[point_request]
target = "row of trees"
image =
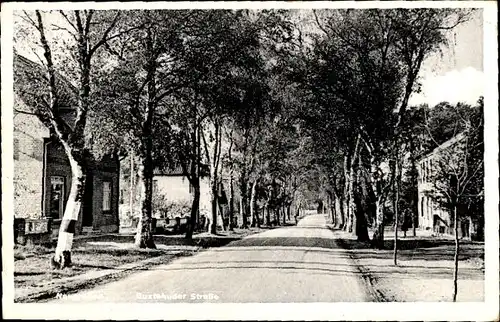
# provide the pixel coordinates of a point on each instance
(165, 85)
(281, 103)
(357, 76)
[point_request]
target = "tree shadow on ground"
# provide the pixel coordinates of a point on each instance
(287, 242)
(416, 249)
(28, 273)
(204, 242)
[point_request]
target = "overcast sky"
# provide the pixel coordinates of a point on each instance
(457, 74)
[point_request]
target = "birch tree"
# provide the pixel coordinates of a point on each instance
(135, 96)
(69, 42)
(458, 176)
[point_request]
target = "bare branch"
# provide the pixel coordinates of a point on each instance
(59, 28)
(105, 37)
(319, 24)
(66, 17)
(29, 20)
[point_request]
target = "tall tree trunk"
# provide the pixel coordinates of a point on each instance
(62, 257)
(268, 216)
(214, 171)
(231, 202)
(396, 213)
(352, 173)
(253, 203)
(360, 195)
(414, 190)
(361, 222)
(333, 212)
(340, 205)
(414, 221)
(144, 234)
(213, 201)
(194, 207)
(221, 214)
(351, 203)
(457, 246)
(347, 194)
(132, 194)
(243, 202)
(378, 235)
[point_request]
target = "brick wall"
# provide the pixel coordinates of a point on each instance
(28, 163)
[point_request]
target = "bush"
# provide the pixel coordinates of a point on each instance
(164, 208)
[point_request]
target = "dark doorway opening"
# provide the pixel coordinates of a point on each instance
(87, 216)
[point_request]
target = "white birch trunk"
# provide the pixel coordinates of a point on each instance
(62, 257)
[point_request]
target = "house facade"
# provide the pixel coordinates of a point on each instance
(42, 174)
(172, 197)
(175, 187)
(431, 215)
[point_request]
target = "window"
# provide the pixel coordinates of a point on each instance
(122, 198)
(57, 190)
(155, 187)
(106, 196)
(16, 148)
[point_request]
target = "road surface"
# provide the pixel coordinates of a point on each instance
(291, 264)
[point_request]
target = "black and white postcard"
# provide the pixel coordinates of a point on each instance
(250, 160)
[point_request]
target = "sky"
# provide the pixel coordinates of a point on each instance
(455, 75)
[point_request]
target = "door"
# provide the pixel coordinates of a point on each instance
(87, 215)
(57, 196)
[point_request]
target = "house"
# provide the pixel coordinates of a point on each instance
(42, 174)
(432, 216)
(172, 197)
(175, 188)
(172, 194)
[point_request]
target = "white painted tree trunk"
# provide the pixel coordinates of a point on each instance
(62, 257)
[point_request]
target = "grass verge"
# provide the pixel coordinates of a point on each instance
(425, 268)
(101, 259)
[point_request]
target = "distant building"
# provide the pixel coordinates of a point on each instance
(174, 186)
(432, 216)
(172, 196)
(42, 174)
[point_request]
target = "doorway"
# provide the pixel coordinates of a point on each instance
(87, 215)
(57, 196)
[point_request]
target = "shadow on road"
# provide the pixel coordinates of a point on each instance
(415, 249)
(204, 242)
(287, 242)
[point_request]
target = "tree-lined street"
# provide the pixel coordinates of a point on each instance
(298, 124)
(300, 263)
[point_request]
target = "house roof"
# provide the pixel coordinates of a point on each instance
(445, 145)
(177, 171)
(31, 84)
(169, 172)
